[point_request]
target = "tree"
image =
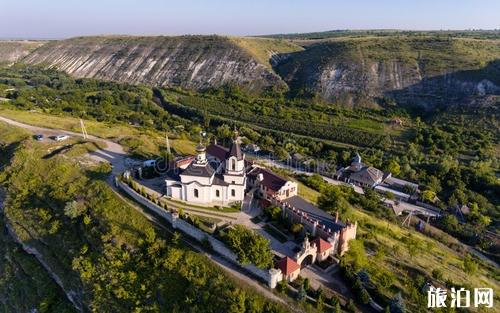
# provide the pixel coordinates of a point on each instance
(281, 153)
(450, 223)
(301, 294)
(315, 181)
(429, 196)
(351, 307)
(434, 184)
(74, 209)
(409, 189)
(296, 228)
(267, 142)
(364, 296)
(437, 274)
(224, 132)
(249, 246)
(274, 212)
(307, 284)
(282, 286)
(479, 220)
(333, 199)
(389, 195)
(320, 302)
(470, 265)
(337, 308)
(345, 156)
(176, 238)
(394, 167)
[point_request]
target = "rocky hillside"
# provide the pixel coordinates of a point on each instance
(194, 62)
(424, 70)
(11, 51)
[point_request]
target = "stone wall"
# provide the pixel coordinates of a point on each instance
(268, 276)
(338, 239)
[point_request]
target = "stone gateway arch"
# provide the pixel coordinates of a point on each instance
(307, 250)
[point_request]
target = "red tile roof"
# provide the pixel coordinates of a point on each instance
(321, 244)
(184, 161)
(271, 180)
(218, 151)
(287, 265)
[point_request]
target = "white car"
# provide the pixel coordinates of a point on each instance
(61, 137)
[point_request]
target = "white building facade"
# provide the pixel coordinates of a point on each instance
(211, 181)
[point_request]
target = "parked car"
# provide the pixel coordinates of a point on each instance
(38, 137)
(149, 163)
(61, 137)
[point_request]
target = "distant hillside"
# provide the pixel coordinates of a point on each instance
(193, 62)
(425, 71)
(478, 34)
(351, 68)
(11, 50)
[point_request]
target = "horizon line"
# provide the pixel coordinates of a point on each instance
(260, 35)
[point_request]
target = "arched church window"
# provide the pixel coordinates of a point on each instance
(196, 194)
(217, 193)
(233, 164)
(233, 193)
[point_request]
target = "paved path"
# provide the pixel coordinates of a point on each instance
(116, 156)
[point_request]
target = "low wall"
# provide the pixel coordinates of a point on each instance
(428, 206)
(375, 305)
(194, 232)
(150, 205)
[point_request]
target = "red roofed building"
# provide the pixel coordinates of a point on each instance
(324, 249)
(270, 184)
(289, 268)
(183, 163)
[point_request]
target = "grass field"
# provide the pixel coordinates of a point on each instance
(262, 48)
(139, 142)
(396, 256)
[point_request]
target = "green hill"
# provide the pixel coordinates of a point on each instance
(351, 68)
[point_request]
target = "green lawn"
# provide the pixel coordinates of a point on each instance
(139, 142)
(276, 234)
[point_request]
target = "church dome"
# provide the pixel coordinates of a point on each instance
(200, 148)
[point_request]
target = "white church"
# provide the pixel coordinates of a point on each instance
(218, 178)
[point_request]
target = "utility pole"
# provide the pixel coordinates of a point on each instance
(84, 130)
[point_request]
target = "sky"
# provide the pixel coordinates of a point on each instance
(68, 18)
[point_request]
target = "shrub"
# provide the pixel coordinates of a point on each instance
(437, 274)
(273, 212)
(249, 246)
(206, 244)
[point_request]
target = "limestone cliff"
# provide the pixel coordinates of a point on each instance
(193, 62)
(418, 70)
(424, 71)
(11, 50)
